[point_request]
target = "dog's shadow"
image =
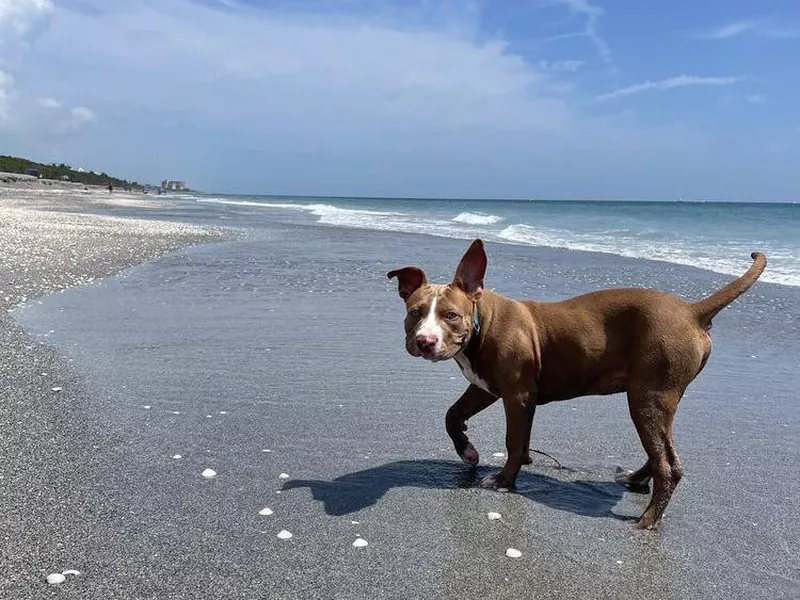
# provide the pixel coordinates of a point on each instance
(355, 491)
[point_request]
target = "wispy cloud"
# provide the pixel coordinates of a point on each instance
(48, 103)
(591, 28)
(81, 114)
(756, 98)
(560, 66)
(732, 29)
(666, 84)
(763, 27)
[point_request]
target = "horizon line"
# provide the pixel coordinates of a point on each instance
(496, 199)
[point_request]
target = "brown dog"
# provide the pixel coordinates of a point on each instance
(646, 343)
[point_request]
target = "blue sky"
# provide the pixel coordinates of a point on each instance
(546, 98)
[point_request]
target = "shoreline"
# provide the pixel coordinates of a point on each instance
(53, 240)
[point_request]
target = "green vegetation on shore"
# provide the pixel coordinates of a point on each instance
(13, 164)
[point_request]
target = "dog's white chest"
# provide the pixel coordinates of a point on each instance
(472, 377)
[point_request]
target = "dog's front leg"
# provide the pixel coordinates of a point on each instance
(471, 402)
(519, 407)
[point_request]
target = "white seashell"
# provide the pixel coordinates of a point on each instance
(209, 473)
(223, 412)
(494, 516)
(265, 512)
(513, 553)
(57, 389)
(498, 455)
(283, 476)
(284, 535)
(502, 489)
(71, 572)
(177, 456)
(266, 450)
(55, 578)
(360, 543)
(147, 407)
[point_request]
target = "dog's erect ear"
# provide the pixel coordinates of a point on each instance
(409, 280)
(471, 270)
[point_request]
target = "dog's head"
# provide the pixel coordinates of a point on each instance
(439, 318)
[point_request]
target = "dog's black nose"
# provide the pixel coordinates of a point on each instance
(426, 343)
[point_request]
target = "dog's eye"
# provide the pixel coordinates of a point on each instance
(451, 315)
(414, 312)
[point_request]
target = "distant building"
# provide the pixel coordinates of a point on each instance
(174, 186)
(65, 178)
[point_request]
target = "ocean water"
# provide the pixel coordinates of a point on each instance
(714, 236)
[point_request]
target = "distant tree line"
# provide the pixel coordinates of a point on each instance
(13, 164)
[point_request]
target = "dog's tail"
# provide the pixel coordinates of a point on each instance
(707, 308)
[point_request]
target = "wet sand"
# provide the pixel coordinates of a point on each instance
(291, 341)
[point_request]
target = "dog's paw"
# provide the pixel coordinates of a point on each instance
(637, 486)
(470, 455)
(495, 481)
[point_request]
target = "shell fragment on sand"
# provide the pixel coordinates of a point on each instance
(283, 476)
(284, 535)
(360, 543)
(55, 578)
(494, 516)
(56, 389)
(176, 456)
(209, 473)
(265, 512)
(498, 455)
(513, 553)
(71, 572)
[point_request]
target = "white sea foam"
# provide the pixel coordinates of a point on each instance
(729, 260)
(477, 218)
(648, 242)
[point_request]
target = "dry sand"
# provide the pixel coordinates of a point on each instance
(49, 241)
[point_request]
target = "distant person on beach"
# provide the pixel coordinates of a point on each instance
(110, 188)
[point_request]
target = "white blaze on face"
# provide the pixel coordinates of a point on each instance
(431, 327)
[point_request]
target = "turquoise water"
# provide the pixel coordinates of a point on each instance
(713, 236)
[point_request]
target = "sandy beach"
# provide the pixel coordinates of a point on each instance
(280, 352)
(51, 242)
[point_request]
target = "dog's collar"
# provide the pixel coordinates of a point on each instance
(476, 323)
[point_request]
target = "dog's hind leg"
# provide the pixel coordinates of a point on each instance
(471, 402)
(653, 413)
(526, 456)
